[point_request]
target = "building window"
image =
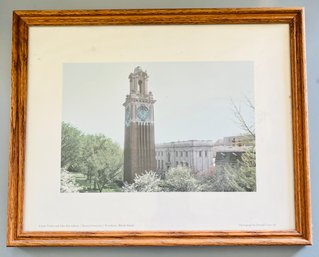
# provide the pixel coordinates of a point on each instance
(234, 141)
(176, 164)
(176, 153)
(158, 164)
(200, 153)
(186, 164)
(181, 154)
(186, 153)
(162, 164)
(205, 153)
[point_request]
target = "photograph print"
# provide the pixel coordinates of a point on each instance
(158, 127)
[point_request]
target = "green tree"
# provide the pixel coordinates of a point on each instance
(224, 179)
(102, 160)
(180, 179)
(96, 156)
(147, 182)
(70, 145)
(240, 178)
(246, 178)
(246, 175)
(243, 177)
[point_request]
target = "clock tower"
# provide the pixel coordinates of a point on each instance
(139, 143)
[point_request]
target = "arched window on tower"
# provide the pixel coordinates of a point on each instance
(140, 83)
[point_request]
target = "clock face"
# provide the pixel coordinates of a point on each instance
(143, 113)
(127, 114)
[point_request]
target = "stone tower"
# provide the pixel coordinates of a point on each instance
(139, 143)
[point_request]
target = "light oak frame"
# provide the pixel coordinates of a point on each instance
(22, 20)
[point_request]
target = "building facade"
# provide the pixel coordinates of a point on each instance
(196, 154)
(139, 141)
(201, 155)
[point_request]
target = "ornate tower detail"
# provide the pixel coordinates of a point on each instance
(139, 144)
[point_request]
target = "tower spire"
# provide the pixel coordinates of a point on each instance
(138, 81)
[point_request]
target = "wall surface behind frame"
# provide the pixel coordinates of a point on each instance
(312, 39)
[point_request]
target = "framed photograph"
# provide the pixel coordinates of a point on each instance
(159, 128)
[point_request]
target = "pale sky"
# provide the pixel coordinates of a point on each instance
(193, 99)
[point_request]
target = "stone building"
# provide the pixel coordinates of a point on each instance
(231, 158)
(196, 154)
(201, 155)
(235, 141)
(229, 150)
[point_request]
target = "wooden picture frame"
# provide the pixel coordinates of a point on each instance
(24, 20)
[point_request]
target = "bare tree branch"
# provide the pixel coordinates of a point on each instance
(240, 119)
(249, 103)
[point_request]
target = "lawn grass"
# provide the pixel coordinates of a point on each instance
(82, 181)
